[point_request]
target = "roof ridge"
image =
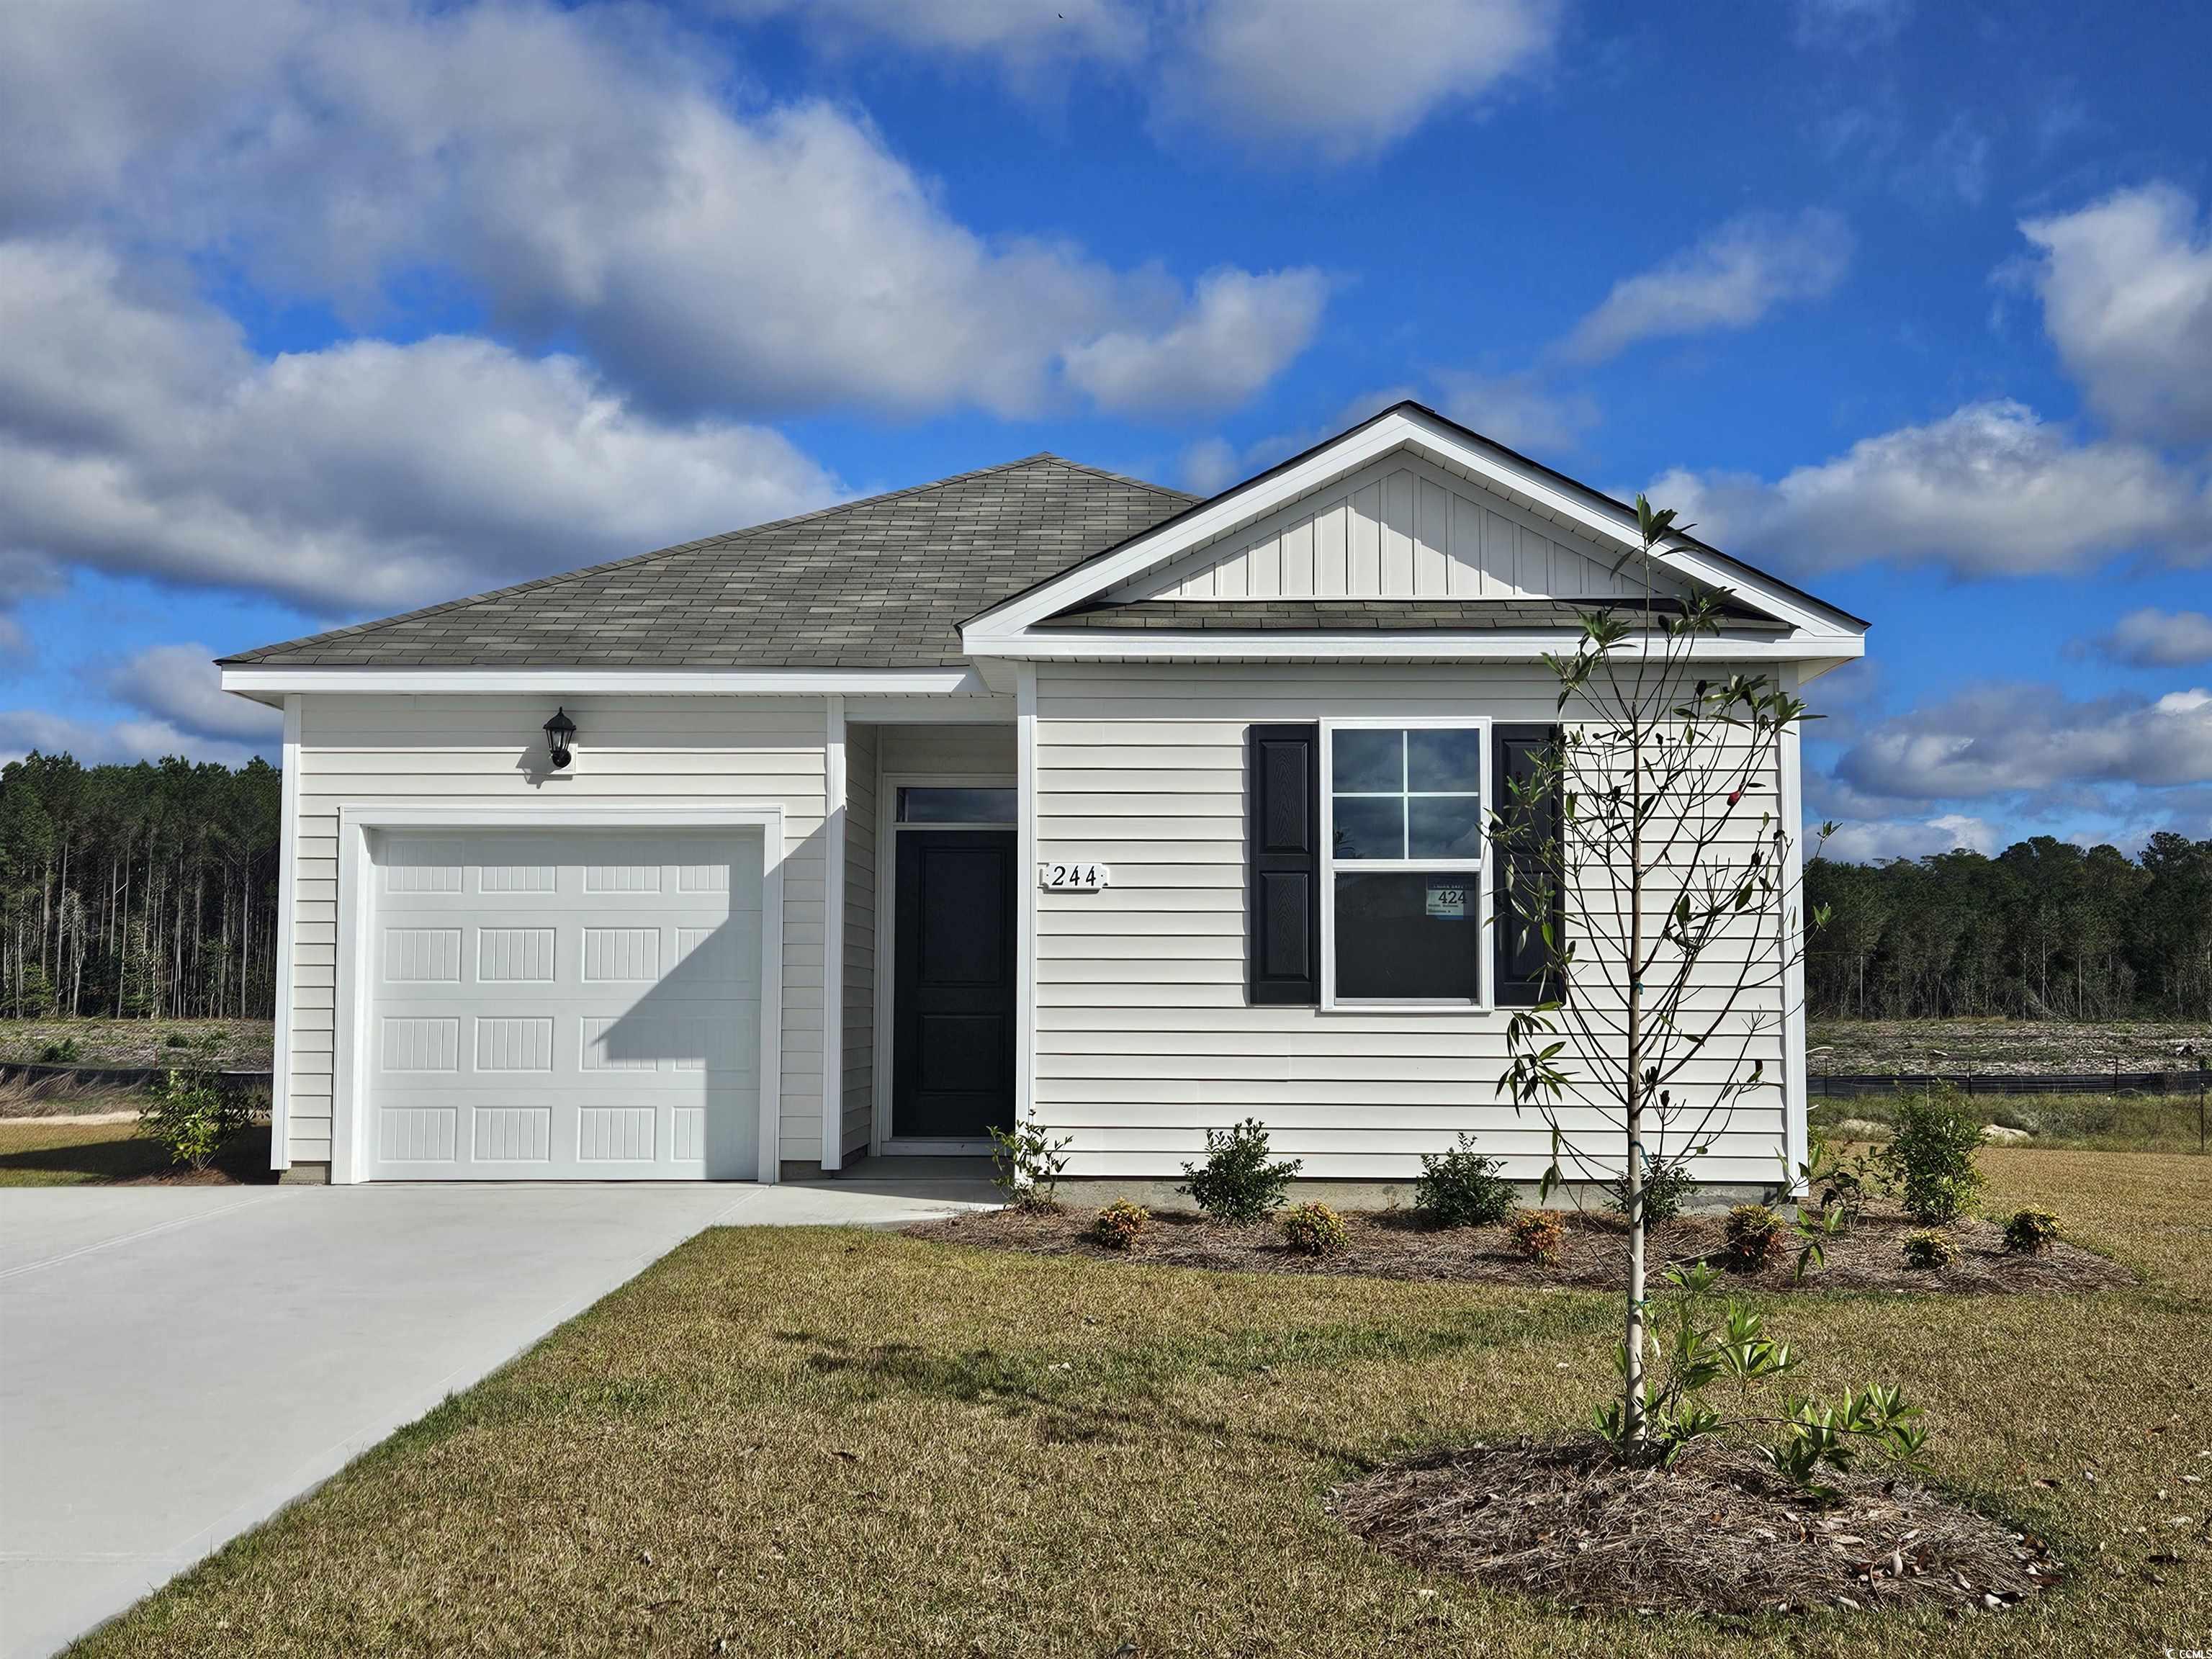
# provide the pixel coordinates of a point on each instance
(1116, 478)
(554, 579)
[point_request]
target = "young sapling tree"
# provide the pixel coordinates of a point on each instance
(1645, 849)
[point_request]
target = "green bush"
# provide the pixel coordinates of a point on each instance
(64, 1053)
(1928, 1250)
(2032, 1232)
(1315, 1229)
(1120, 1224)
(1463, 1188)
(176, 1040)
(1667, 1185)
(1755, 1235)
(1537, 1235)
(192, 1115)
(1930, 1161)
(1236, 1183)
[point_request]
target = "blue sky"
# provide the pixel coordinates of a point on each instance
(322, 311)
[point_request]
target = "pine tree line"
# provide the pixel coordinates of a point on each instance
(2044, 930)
(145, 891)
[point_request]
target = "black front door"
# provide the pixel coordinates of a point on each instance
(952, 993)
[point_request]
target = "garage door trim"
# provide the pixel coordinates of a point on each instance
(350, 1151)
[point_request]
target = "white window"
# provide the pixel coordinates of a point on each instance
(1405, 882)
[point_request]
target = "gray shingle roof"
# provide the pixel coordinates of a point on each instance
(881, 583)
(1346, 615)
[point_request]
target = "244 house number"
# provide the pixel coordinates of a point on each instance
(1074, 878)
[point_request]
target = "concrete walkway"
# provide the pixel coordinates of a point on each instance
(177, 1364)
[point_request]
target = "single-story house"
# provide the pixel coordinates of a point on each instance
(1001, 800)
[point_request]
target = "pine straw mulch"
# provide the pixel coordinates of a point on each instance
(1719, 1532)
(1395, 1244)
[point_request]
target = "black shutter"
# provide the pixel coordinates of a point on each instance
(1521, 974)
(1282, 864)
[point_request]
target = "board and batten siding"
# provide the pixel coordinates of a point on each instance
(856, 1113)
(455, 750)
(1399, 529)
(1143, 1039)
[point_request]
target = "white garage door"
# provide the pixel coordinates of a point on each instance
(577, 1004)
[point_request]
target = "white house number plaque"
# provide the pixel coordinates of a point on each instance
(1075, 876)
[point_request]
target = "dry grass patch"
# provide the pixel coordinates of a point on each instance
(1396, 1245)
(2013, 1046)
(244, 1045)
(816, 1442)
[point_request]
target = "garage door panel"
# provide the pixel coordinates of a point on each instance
(566, 1003)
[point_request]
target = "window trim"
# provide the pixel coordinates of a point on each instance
(1483, 1000)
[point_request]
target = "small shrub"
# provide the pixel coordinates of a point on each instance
(1930, 1159)
(1755, 1235)
(1235, 1183)
(2032, 1232)
(64, 1053)
(1120, 1224)
(1702, 1352)
(191, 1114)
(1029, 1165)
(1928, 1250)
(1666, 1188)
(1537, 1235)
(1315, 1229)
(1463, 1188)
(176, 1040)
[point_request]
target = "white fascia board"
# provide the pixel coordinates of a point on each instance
(1211, 645)
(1402, 429)
(248, 680)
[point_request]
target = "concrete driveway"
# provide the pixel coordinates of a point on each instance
(178, 1364)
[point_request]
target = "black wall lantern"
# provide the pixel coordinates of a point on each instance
(560, 732)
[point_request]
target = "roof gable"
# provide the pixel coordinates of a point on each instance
(1572, 529)
(879, 583)
(1399, 528)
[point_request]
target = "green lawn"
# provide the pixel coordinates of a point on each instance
(38, 1153)
(2102, 1123)
(827, 1443)
(35, 1154)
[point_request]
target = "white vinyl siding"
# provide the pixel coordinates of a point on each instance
(983, 748)
(453, 751)
(1397, 529)
(1144, 1036)
(857, 1109)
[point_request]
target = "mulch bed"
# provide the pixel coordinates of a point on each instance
(1718, 1533)
(1395, 1244)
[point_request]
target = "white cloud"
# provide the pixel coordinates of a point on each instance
(177, 685)
(1955, 168)
(1873, 841)
(1518, 410)
(1209, 466)
(2024, 740)
(2161, 639)
(138, 434)
(586, 171)
(1729, 279)
(1850, 24)
(2126, 284)
(1339, 75)
(1022, 35)
(1989, 489)
(97, 743)
(1239, 333)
